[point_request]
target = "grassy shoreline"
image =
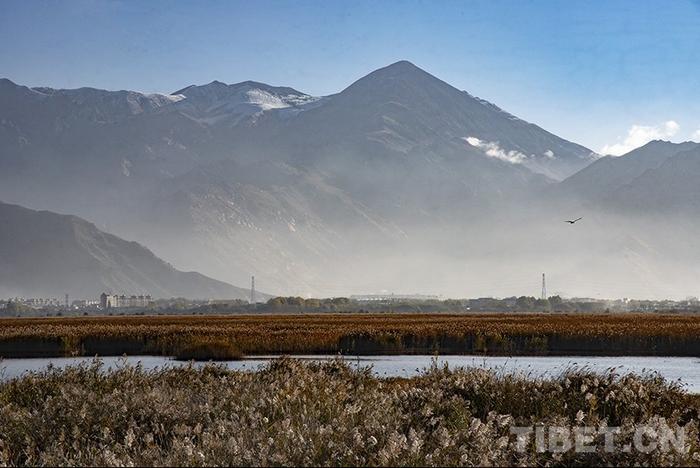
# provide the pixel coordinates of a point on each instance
(292, 413)
(230, 337)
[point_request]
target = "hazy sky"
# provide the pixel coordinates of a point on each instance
(606, 74)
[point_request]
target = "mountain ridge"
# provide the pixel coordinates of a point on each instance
(611, 172)
(45, 253)
(270, 181)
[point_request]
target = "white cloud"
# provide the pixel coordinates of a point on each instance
(696, 135)
(549, 154)
(491, 148)
(640, 135)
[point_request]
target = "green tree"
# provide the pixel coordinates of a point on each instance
(277, 301)
(557, 303)
(312, 304)
(14, 307)
(525, 303)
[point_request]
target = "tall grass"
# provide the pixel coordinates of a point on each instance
(358, 334)
(206, 349)
(328, 414)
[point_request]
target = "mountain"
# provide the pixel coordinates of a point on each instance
(640, 221)
(670, 189)
(312, 195)
(102, 106)
(80, 151)
(609, 174)
(401, 109)
(398, 182)
(405, 109)
(48, 254)
(350, 176)
(217, 102)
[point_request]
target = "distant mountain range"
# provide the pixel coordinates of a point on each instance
(659, 179)
(47, 254)
(607, 176)
(377, 186)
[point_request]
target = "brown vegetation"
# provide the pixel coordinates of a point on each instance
(631, 334)
(208, 348)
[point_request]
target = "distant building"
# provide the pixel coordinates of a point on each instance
(113, 301)
(37, 302)
(82, 304)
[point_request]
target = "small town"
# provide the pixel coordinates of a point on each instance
(122, 304)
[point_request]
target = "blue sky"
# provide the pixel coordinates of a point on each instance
(606, 74)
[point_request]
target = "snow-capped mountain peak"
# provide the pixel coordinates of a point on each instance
(105, 105)
(217, 101)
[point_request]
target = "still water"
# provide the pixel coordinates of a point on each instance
(684, 369)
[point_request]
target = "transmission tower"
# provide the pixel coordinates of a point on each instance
(252, 289)
(544, 288)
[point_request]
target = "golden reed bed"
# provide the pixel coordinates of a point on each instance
(615, 334)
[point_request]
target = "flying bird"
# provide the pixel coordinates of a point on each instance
(572, 222)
